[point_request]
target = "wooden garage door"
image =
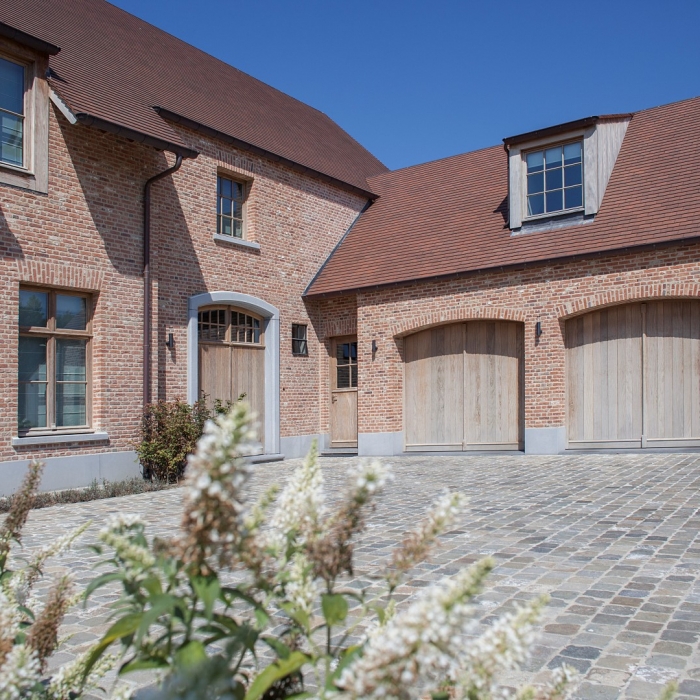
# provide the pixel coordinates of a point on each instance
(633, 376)
(463, 386)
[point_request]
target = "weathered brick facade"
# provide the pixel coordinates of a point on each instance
(86, 234)
(548, 293)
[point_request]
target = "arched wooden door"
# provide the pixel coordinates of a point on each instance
(232, 358)
(633, 376)
(463, 387)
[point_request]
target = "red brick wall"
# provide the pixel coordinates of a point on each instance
(545, 293)
(87, 234)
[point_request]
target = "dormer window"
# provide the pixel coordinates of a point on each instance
(560, 173)
(555, 179)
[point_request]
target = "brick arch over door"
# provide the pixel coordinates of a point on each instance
(457, 315)
(271, 329)
(622, 295)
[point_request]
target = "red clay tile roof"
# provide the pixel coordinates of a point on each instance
(117, 68)
(450, 216)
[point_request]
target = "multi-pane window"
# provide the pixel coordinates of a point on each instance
(11, 113)
(346, 365)
(230, 196)
(555, 179)
(299, 344)
(228, 325)
(54, 354)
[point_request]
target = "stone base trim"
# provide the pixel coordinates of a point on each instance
(545, 441)
(299, 445)
(71, 472)
(380, 444)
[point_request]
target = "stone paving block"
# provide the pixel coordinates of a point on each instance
(610, 537)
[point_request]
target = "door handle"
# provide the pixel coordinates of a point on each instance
(334, 399)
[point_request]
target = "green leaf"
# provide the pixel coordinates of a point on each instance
(280, 648)
(299, 616)
(160, 605)
(190, 655)
(262, 618)
(103, 580)
(142, 665)
(153, 585)
(335, 607)
(123, 627)
(208, 591)
(274, 672)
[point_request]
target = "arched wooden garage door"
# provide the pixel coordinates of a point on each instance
(232, 358)
(633, 376)
(463, 387)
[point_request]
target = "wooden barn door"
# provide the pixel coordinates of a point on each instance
(633, 376)
(463, 387)
(232, 359)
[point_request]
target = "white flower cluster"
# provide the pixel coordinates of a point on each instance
(216, 471)
(20, 670)
(300, 589)
(504, 646)
(9, 614)
(367, 479)
(420, 647)
(124, 521)
(299, 506)
(136, 557)
(444, 512)
(70, 679)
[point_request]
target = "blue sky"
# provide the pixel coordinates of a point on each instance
(416, 81)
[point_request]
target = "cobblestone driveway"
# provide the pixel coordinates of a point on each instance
(612, 538)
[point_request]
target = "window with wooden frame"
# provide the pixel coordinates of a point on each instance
(230, 207)
(554, 179)
(12, 112)
(54, 361)
(299, 343)
(346, 365)
(227, 324)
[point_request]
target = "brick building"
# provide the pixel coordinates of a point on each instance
(170, 226)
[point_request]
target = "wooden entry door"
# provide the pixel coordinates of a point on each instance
(343, 376)
(232, 359)
(633, 376)
(463, 387)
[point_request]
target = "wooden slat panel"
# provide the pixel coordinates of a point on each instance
(433, 387)
(672, 372)
(493, 356)
(344, 419)
(248, 377)
(215, 372)
(604, 357)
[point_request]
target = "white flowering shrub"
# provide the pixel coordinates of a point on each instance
(290, 624)
(29, 626)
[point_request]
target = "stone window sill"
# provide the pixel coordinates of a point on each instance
(237, 241)
(59, 438)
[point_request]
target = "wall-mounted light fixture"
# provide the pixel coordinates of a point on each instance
(374, 347)
(538, 329)
(170, 342)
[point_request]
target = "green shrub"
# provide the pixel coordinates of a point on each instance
(169, 433)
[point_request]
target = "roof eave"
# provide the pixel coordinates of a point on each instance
(689, 240)
(561, 128)
(29, 40)
(133, 135)
(257, 150)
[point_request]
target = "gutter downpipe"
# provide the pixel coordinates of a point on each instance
(147, 277)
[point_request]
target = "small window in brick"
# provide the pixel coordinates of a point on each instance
(54, 361)
(299, 343)
(230, 200)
